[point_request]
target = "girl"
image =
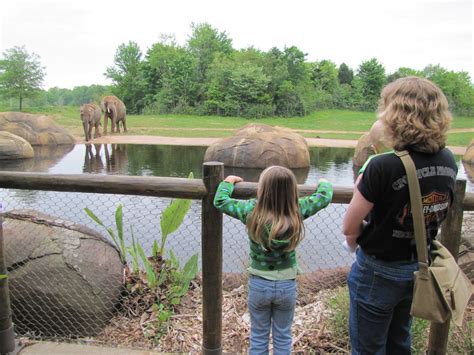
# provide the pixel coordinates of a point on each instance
(275, 226)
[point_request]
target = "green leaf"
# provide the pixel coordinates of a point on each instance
(94, 217)
(163, 275)
(119, 223)
(3, 276)
(134, 252)
(155, 248)
(190, 269)
(150, 273)
(172, 217)
(174, 260)
(110, 231)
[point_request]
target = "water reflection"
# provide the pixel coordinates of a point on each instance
(320, 248)
(45, 158)
(93, 162)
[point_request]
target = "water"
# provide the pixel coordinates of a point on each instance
(320, 249)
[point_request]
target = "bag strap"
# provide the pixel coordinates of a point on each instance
(416, 206)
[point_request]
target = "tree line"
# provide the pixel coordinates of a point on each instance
(207, 76)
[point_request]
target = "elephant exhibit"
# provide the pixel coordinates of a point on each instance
(90, 117)
(115, 109)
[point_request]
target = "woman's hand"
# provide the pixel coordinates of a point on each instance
(233, 179)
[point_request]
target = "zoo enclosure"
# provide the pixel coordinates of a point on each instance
(212, 225)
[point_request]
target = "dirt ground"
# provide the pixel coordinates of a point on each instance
(312, 142)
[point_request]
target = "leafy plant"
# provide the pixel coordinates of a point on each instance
(172, 217)
(117, 239)
(150, 272)
(162, 282)
(133, 251)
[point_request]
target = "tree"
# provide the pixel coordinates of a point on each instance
(21, 74)
(402, 73)
(325, 76)
(127, 76)
(345, 74)
(456, 86)
(372, 78)
(205, 43)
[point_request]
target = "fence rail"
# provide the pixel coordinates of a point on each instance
(212, 224)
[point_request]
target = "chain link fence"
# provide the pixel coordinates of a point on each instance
(66, 277)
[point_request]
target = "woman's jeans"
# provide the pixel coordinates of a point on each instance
(271, 305)
(381, 293)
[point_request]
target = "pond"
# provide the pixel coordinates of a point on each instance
(320, 249)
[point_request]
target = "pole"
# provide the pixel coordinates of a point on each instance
(451, 239)
(7, 336)
(211, 228)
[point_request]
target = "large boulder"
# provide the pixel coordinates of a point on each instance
(36, 129)
(260, 146)
(14, 147)
(468, 161)
(368, 144)
(65, 279)
(468, 156)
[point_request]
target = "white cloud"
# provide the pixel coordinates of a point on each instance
(77, 40)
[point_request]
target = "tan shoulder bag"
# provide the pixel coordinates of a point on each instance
(442, 291)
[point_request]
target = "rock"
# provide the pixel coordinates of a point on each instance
(368, 144)
(260, 146)
(36, 129)
(14, 147)
(468, 156)
(362, 150)
(65, 279)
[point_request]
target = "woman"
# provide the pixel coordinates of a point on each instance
(415, 116)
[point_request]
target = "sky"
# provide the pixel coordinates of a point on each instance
(77, 40)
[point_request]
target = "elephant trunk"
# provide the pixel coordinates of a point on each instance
(86, 130)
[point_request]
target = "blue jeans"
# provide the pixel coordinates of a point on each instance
(271, 305)
(380, 299)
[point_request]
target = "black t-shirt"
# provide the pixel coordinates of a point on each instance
(389, 233)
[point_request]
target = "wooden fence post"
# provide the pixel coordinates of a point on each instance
(7, 336)
(451, 239)
(211, 227)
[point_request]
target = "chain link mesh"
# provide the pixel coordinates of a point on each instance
(64, 282)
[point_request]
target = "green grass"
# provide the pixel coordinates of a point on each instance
(460, 139)
(350, 123)
(459, 342)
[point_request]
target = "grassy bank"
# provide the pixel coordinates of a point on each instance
(350, 124)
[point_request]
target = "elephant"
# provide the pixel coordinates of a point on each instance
(115, 109)
(90, 117)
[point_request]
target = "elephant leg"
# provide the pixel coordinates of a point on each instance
(113, 125)
(97, 131)
(105, 124)
(124, 125)
(90, 130)
(118, 126)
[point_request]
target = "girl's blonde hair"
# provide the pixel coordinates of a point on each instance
(415, 114)
(276, 212)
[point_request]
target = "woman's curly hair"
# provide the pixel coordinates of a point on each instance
(415, 115)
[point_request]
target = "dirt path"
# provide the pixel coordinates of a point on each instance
(312, 142)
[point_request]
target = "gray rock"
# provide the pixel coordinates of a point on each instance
(36, 129)
(260, 146)
(65, 279)
(468, 156)
(14, 147)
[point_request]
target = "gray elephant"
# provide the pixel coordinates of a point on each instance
(115, 109)
(90, 117)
